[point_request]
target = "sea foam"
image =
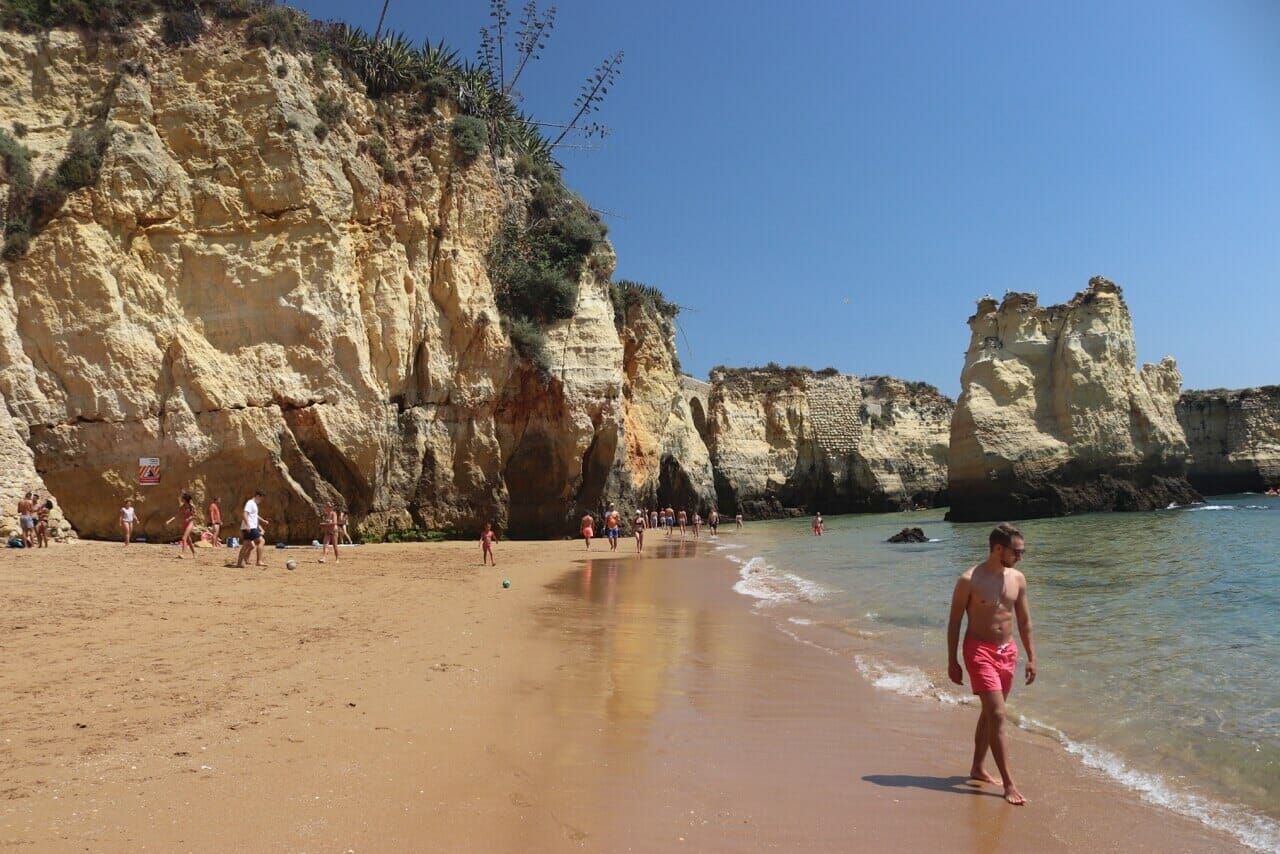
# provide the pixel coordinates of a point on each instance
(761, 580)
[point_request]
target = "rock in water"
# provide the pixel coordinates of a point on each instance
(909, 535)
(1054, 417)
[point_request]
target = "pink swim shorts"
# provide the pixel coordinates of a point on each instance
(991, 666)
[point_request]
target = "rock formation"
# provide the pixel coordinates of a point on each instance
(786, 439)
(1234, 438)
(260, 303)
(1055, 418)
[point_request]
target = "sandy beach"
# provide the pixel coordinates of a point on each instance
(402, 700)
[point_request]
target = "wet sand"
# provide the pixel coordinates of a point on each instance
(403, 701)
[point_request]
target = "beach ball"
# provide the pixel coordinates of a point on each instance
(506, 582)
(291, 564)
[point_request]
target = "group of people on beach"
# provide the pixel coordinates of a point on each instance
(33, 522)
(669, 519)
(333, 527)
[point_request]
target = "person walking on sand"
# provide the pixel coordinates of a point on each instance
(127, 518)
(991, 594)
(487, 539)
(612, 526)
(329, 531)
(588, 529)
(251, 523)
(343, 533)
(817, 524)
(215, 522)
(639, 526)
(187, 510)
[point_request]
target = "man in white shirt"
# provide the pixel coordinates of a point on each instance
(251, 525)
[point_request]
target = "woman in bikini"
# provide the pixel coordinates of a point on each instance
(187, 510)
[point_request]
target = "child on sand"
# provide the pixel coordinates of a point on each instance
(487, 538)
(127, 518)
(588, 529)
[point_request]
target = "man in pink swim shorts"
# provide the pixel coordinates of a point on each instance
(991, 594)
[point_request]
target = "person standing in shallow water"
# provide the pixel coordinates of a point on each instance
(990, 595)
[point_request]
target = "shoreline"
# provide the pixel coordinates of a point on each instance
(402, 700)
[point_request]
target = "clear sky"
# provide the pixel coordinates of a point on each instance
(837, 183)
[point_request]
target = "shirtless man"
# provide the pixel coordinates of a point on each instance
(612, 527)
(215, 522)
(990, 594)
(27, 519)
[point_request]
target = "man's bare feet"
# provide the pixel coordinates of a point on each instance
(984, 775)
(1013, 796)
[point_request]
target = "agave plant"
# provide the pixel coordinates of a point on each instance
(391, 66)
(437, 61)
(523, 137)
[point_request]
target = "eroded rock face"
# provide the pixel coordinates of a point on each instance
(1234, 438)
(258, 306)
(1055, 418)
(787, 440)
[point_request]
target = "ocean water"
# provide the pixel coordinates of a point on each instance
(1157, 635)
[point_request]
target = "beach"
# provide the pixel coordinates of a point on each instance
(403, 700)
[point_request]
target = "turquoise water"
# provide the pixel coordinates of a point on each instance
(1156, 634)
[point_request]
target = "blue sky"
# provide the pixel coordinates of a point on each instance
(837, 183)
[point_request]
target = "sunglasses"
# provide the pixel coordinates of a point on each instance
(1017, 552)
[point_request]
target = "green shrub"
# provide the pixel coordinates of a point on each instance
(435, 90)
(17, 161)
(19, 130)
(530, 343)
(321, 131)
(277, 26)
(181, 27)
(83, 160)
(471, 136)
(376, 147)
(330, 108)
(293, 124)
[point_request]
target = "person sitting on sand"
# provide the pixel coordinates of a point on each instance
(990, 594)
(127, 518)
(251, 525)
(487, 539)
(588, 529)
(329, 531)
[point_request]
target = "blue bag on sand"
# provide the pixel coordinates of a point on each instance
(233, 542)
(281, 546)
(16, 543)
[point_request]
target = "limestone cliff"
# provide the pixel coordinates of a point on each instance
(262, 303)
(1234, 438)
(1055, 418)
(787, 439)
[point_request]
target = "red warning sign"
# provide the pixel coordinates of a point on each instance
(148, 471)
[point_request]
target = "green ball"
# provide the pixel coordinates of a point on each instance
(506, 582)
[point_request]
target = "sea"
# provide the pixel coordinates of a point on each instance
(1157, 635)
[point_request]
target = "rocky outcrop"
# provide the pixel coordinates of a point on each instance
(1234, 438)
(1054, 417)
(261, 304)
(784, 440)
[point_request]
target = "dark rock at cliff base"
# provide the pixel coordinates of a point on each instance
(909, 535)
(1132, 492)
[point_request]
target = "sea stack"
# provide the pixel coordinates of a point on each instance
(787, 440)
(1234, 438)
(1055, 418)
